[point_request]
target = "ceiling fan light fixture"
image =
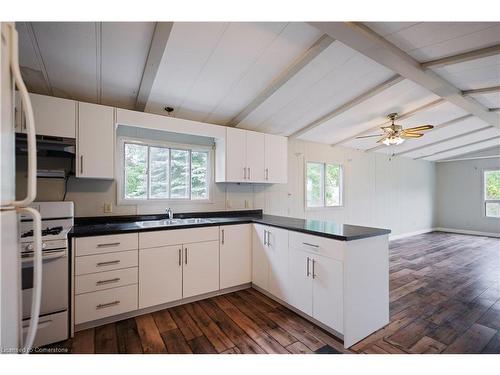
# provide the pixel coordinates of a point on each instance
(393, 140)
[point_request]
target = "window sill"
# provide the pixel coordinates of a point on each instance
(325, 208)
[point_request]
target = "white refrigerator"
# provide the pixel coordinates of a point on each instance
(11, 339)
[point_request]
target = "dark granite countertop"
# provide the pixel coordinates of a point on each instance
(97, 226)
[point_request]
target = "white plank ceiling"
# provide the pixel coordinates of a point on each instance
(211, 72)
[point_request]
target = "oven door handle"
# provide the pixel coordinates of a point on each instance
(46, 255)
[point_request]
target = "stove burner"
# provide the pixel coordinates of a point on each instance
(45, 232)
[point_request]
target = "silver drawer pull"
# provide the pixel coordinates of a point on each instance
(108, 263)
(101, 282)
(310, 244)
(108, 244)
(109, 304)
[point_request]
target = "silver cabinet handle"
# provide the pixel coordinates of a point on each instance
(81, 164)
(249, 173)
(310, 244)
(265, 241)
(222, 236)
(307, 268)
(185, 255)
(108, 263)
(267, 174)
(110, 281)
(313, 274)
(108, 244)
(244, 173)
(268, 238)
(180, 257)
(109, 304)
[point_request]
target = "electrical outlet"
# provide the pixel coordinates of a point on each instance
(108, 207)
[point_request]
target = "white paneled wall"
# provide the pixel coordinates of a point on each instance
(380, 192)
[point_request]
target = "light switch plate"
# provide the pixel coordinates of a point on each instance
(108, 207)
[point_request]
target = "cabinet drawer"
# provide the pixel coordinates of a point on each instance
(178, 236)
(318, 245)
(106, 244)
(104, 303)
(106, 262)
(105, 280)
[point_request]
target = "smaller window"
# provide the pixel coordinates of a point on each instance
(323, 185)
(491, 182)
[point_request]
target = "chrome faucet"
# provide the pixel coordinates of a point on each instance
(170, 213)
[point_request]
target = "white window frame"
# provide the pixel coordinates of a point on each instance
(120, 171)
(483, 188)
(341, 186)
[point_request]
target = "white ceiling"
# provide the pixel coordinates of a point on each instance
(211, 72)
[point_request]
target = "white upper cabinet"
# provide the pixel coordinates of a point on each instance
(276, 155)
(54, 117)
(95, 141)
(253, 157)
(236, 155)
(255, 147)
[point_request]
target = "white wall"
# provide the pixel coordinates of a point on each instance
(396, 194)
(459, 196)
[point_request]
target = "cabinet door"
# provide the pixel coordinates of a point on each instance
(277, 248)
(54, 116)
(200, 268)
(95, 141)
(276, 159)
(255, 147)
(236, 155)
(160, 275)
(235, 255)
(328, 292)
(300, 280)
(260, 262)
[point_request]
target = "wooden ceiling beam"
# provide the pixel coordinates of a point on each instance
(348, 105)
(483, 90)
(364, 40)
(461, 146)
(462, 57)
(156, 50)
(312, 52)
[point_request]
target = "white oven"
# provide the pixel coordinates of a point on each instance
(53, 325)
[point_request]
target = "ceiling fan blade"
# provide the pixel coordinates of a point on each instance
(382, 139)
(369, 136)
(421, 128)
(411, 135)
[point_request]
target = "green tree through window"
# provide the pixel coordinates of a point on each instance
(155, 172)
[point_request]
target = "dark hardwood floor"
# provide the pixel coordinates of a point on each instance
(444, 293)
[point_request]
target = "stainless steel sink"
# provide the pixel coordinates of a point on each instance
(167, 222)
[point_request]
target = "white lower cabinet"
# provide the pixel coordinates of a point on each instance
(270, 260)
(260, 261)
(327, 292)
(277, 250)
(235, 255)
(160, 275)
(200, 268)
(316, 287)
(300, 282)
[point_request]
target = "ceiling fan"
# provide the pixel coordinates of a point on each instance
(395, 134)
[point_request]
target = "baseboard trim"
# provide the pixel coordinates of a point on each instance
(470, 232)
(393, 237)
